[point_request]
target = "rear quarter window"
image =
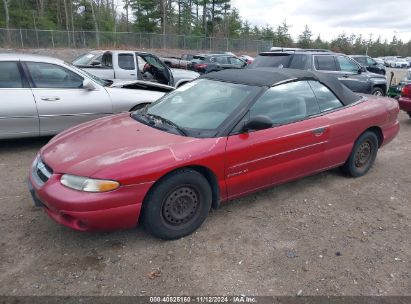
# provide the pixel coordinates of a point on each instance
(299, 62)
(325, 98)
(325, 63)
(271, 61)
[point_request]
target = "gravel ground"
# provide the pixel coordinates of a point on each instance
(322, 235)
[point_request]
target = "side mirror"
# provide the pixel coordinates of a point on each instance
(88, 85)
(256, 123)
(362, 69)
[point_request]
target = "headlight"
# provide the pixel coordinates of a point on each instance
(88, 184)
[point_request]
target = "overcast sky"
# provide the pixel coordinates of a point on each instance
(331, 17)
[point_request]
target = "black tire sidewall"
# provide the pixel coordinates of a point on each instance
(375, 90)
(350, 167)
(152, 208)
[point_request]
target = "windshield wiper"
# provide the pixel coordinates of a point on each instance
(169, 122)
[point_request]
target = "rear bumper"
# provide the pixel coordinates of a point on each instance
(405, 104)
(115, 210)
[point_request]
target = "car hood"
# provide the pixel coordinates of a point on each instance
(111, 147)
(186, 74)
(374, 75)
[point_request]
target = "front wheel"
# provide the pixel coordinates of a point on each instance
(377, 92)
(177, 205)
(362, 155)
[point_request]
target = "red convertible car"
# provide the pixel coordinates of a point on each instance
(217, 138)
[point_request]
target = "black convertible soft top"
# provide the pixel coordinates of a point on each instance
(267, 77)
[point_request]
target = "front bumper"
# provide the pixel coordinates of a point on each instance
(405, 104)
(83, 211)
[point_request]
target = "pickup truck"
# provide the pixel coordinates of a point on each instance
(132, 65)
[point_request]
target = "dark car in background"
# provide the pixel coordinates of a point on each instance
(206, 63)
(346, 69)
(370, 64)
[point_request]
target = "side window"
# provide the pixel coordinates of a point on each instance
(10, 75)
(325, 63)
(286, 103)
(347, 65)
(326, 99)
(371, 61)
(126, 61)
(107, 60)
(298, 62)
(155, 62)
(221, 59)
(236, 61)
(46, 75)
(362, 60)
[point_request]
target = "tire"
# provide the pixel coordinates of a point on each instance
(409, 114)
(377, 91)
(362, 156)
(177, 205)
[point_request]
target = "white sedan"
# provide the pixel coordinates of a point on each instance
(43, 96)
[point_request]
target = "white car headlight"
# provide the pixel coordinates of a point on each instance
(88, 184)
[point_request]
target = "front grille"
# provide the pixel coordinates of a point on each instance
(42, 172)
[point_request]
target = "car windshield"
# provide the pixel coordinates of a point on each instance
(198, 108)
(84, 59)
(88, 75)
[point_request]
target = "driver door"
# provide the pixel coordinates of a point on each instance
(61, 100)
(293, 147)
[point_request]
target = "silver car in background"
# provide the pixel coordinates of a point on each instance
(42, 96)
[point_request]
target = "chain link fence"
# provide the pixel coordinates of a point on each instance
(29, 38)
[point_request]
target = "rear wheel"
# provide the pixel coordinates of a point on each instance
(362, 156)
(177, 205)
(377, 92)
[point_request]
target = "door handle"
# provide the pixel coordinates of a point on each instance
(319, 131)
(346, 76)
(132, 74)
(51, 98)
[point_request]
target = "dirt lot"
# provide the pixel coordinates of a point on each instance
(322, 235)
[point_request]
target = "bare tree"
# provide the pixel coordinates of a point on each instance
(41, 8)
(127, 7)
(95, 23)
(72, 22)
(6, 13)
(67, 21)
